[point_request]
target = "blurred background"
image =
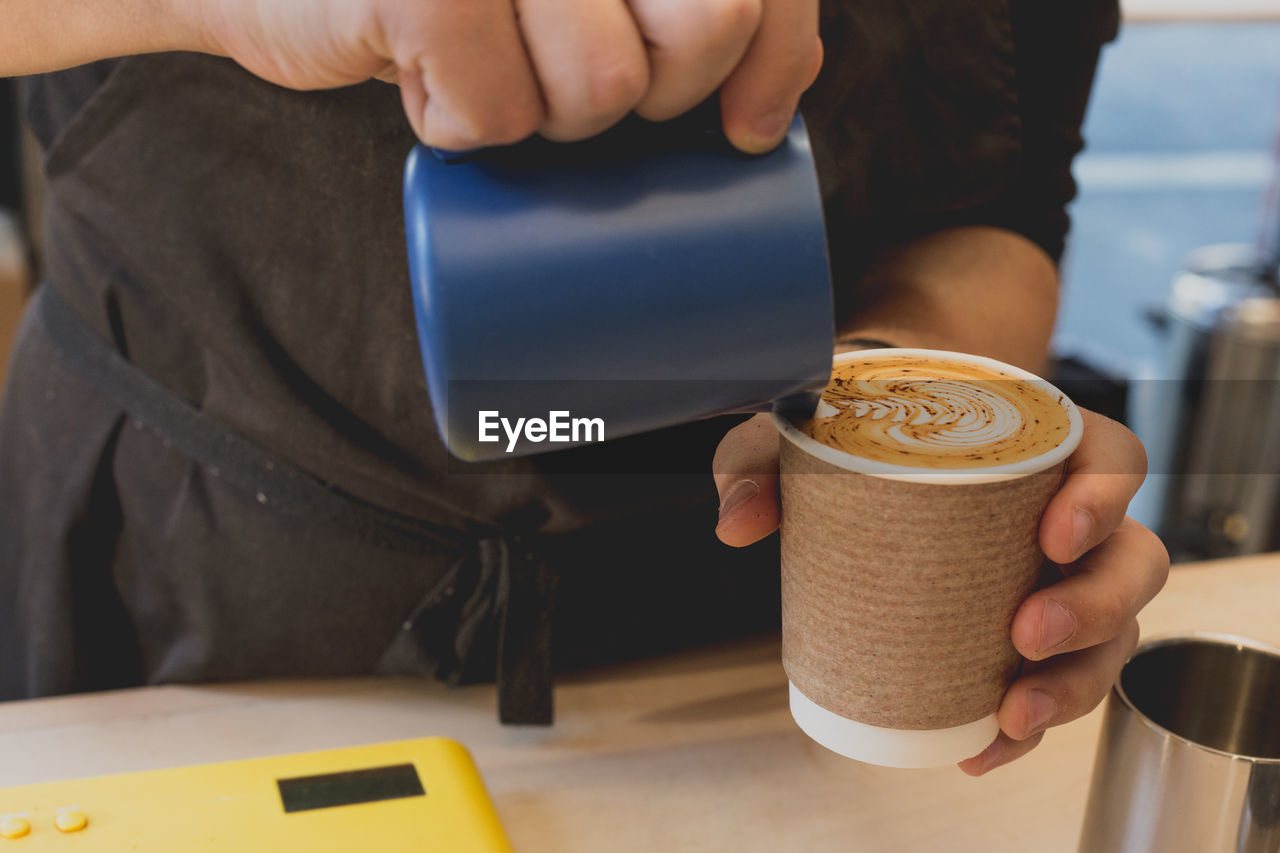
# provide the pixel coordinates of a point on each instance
(1180, 341)
(1169, 318)
(14, 246)
(1180, 134)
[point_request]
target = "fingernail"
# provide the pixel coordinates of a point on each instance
(1057, 624)
(738, 494)
(767, 130)
(1041, 708)
(1081, 530)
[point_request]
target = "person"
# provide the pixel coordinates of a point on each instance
(217, 450)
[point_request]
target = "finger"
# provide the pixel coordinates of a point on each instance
(693, 46)
(1102, 477)
(590, 61)
(1001, 751)
(1065, 689)
(1104, 592)
(746, 474)
(465, 79)
(759, 99)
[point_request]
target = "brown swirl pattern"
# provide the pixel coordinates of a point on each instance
(933, 412)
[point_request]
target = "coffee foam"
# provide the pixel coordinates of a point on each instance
(921, 410)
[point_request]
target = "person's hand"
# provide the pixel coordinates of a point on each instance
(1075, 634)
(488, 72)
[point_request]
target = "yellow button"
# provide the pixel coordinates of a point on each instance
(70, 821)
(14, 827)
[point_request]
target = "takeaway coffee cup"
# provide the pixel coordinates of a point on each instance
(644, 278)
(1189, 756)
(910, 514)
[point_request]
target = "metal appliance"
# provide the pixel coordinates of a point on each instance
(1211, 420)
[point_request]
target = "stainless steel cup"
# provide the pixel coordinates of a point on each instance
(1189, 756)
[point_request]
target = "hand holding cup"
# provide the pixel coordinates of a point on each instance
(1082, 626)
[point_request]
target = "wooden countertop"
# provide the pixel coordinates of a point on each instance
(695, 752)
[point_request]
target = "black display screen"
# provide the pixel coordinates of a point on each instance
(304, 793)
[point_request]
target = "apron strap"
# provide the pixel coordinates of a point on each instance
(499, 591)
(524, 637)
(510, 588)
(227, 454)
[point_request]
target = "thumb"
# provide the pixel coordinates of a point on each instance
(758, 100)
(746, 473)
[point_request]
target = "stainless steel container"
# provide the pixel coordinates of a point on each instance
(1211, 420)
(1189, 756)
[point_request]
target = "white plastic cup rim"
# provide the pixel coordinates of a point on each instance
(947, 477)
(906, 748)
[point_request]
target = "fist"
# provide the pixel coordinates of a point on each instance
(488, 72)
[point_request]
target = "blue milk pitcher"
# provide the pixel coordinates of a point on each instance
(646, 277)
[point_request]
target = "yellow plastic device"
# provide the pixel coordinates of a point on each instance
(424, 796)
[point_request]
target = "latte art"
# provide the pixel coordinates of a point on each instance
(929, 412)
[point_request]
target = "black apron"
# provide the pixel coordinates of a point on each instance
(217, 454)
